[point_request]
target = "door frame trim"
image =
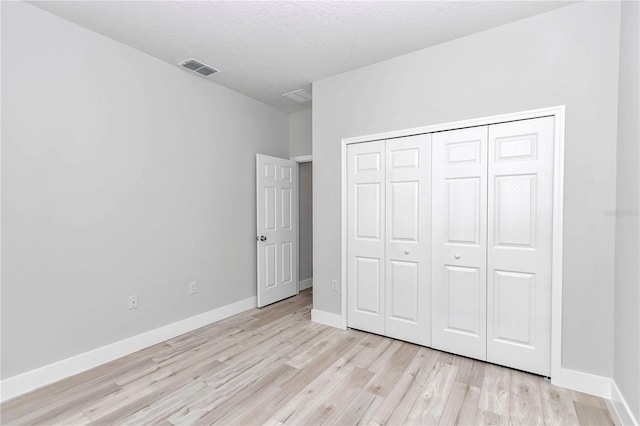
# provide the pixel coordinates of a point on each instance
(558, 112)
(302, 159)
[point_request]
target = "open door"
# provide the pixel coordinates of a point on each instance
(277, 237)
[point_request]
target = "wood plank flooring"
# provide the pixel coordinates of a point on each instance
(274, 366)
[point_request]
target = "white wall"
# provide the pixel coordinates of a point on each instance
(627, 269)
(305, 200)
(565, 57)
(121, 175)
(300, 133)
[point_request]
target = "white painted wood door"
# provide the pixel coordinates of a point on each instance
(408, 243)
(277, 236)
(366, 236)
(459, 218)
(520, 244)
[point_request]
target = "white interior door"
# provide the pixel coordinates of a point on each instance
(277, 237)
(459, 219)
(408, 244)
(366, 236)
(519, 246)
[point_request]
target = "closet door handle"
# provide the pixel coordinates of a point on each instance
(406, 251)
(457, 256)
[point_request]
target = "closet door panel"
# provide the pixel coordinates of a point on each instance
(459, 219)
(403, 291)
(366, 236)
(408, 238)
(519, 244)
(461, 210)
(462, 285)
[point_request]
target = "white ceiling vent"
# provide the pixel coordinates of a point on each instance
(198, 67)
(299, 96)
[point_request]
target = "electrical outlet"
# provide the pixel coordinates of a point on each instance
(193, 287)
(334, 285)
(133, 301)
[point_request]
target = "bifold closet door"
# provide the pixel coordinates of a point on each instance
(519, 244)
(408, 239)
(459, 241)
(366, 236)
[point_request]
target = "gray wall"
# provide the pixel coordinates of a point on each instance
(121, 174)
(565, 57)
(627, 276)
(300, 133)
(305, 200)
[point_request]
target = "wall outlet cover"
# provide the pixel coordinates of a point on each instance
(133, 301)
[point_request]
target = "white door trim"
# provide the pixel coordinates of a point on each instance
(302, 159)
(558, 112)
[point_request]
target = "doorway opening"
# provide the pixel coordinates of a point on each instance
(305, 223)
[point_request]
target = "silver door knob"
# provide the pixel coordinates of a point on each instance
(261, 238)
(457, 256)
(406, 251)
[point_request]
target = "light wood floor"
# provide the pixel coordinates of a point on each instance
(273, 366)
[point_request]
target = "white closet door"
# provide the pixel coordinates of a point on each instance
(408, 242)
(366, 236)
(519, 247)
(459, 219)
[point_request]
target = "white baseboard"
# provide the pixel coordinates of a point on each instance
(25, 382)
(305, 284)
(622, 408)
(583, 382)
(327, 318)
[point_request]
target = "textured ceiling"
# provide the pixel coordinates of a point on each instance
(265, 49)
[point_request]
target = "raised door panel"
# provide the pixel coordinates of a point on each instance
(462, 210)
(270, 265)
(365, 236)
(286, 218)
(403, 291)
(270, 208)
(515, 211)
(463, 302)
(519, 244)
(458, 299)
(269, 169)
(287, 262)
(408, 238)
(368, 161)
(367, 214)
(286, 173)
(405, 210)
(367, 285)
(513, 315)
